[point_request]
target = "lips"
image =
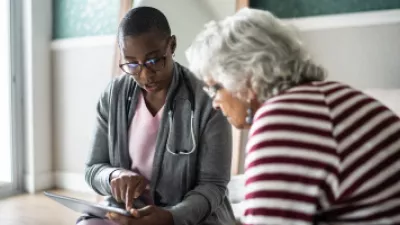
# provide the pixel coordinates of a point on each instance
(152, 86)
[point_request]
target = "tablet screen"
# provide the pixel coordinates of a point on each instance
(85, 207)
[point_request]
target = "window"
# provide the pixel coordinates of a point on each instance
(10, 94)
(5, 96)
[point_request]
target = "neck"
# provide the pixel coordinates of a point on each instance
(159, 96)
(154, 101)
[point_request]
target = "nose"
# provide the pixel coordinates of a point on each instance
(147, 74)
(215, 105)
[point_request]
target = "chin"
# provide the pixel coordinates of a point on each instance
(240, 126)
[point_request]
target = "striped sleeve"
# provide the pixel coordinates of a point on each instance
(291, 161)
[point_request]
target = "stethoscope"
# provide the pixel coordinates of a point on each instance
(170, 108)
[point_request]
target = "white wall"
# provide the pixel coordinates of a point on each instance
(81, 70)
(364, 57)
(221, 8)
(80, 75)
(186, 18)
(361, 49)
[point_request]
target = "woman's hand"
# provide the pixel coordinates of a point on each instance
(127, 186)
(149, 215)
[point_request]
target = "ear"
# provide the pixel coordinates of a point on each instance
(173, 44)
(251, 95)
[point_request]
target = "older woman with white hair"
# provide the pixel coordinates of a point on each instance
(319, 152)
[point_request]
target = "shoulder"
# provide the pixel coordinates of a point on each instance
(196, 84)
(116, 85)
(112, 91)
(294, 127)
(120, 81)
(201, 98)
(299, 115)
(297, 101)
(203, 103)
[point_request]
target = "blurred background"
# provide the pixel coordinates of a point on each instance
(57, 56)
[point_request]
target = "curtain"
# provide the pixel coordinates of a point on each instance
(125, 6)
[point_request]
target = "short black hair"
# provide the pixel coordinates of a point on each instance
(141, 20)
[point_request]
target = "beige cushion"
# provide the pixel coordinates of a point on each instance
(236, 188)
(237, 194)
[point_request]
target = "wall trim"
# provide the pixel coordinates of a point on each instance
(72, 182)
(38, 182)
(83, 42)
(360, 19)
(59, 179)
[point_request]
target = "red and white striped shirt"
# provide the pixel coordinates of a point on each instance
(323, 153)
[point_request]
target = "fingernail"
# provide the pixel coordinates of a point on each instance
(134, 212)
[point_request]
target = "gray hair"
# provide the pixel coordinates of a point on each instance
(252, 48)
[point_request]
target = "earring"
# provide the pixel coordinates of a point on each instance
(173, 54)
(249, 116)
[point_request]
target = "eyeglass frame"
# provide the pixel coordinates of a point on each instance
(141, 65)
(212, 90)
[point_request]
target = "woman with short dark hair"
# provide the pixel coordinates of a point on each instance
(158, 139)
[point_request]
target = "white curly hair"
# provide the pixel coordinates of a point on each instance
(254, 48)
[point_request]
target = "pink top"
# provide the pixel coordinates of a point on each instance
(142, 138)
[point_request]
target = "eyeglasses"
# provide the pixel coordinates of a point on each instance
(212, 90)
(154, 65)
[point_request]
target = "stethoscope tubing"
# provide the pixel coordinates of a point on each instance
(170, 115)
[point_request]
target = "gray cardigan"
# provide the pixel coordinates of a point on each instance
(192, 187)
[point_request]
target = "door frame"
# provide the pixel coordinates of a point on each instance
(238, 136)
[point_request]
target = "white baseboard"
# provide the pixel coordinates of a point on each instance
(63, 180)
(347, 20)
(38, 182)
(72, 182)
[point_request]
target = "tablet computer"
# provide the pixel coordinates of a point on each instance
(90, 208)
